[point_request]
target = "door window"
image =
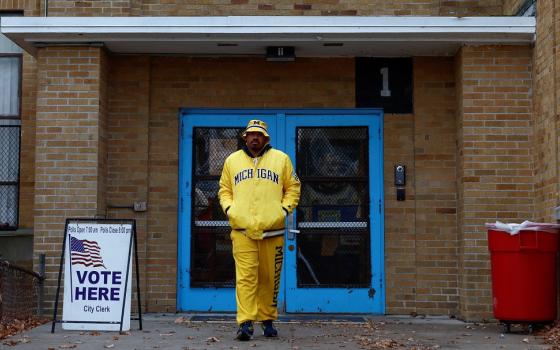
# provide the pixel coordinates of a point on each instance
(332, 215)
(211, 258)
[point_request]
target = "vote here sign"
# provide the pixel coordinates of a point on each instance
(95, 273)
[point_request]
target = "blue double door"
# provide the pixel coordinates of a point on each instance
(333, 256)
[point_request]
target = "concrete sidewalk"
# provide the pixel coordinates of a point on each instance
(183, 331)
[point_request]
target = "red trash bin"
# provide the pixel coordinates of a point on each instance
(523, 275)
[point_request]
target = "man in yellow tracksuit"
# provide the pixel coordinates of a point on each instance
(258, 189)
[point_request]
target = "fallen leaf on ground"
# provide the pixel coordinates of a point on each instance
(16, 326)
(551, 335)
(180, 320)
(10, 342)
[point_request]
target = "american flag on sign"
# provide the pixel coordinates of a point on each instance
(85, 252)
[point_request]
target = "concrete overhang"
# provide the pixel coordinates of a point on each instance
(319, 36)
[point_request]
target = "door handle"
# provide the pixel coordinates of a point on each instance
(291, 231)
(292, 234)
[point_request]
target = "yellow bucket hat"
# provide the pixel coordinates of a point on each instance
(256, 126)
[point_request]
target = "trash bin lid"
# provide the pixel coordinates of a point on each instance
(514, 229)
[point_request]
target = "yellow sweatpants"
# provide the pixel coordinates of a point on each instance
(258, 267)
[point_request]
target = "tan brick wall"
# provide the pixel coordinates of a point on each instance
(89, 8)
(511, 7)
(545, 111)
(459, 63)
(495, 165)
(29, 7)
(102, 137)
(275, 8)
(421, 232)
(128, 148)
(27, 154)
(400, 216)
(68, 146)
(435, 183)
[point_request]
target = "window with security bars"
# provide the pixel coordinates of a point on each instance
(212, 262)
(10, 114)
(9, 176)
(333, 212)
(10, 71)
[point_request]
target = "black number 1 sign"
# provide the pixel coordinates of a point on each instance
(384, 83)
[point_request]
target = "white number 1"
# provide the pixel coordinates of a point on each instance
(385, 92)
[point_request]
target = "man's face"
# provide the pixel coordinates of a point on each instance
(255, 141)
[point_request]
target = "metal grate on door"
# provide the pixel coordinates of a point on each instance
(333, 213)
(212, 263)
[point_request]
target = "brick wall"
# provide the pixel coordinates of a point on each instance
(495, 168)
(89, 8)
(275, 8)
(421, 232)
(459, 63)
(545, 112)
(27, 151)
(400, 216)
(511, 7)
(435, 183)
(69, 145)
(30, 7)
(128, 148)
(102, 111)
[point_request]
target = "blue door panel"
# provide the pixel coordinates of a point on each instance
(191, 298)
(350, 300)
(282, 125)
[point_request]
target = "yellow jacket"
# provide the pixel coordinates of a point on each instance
(258, 193)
